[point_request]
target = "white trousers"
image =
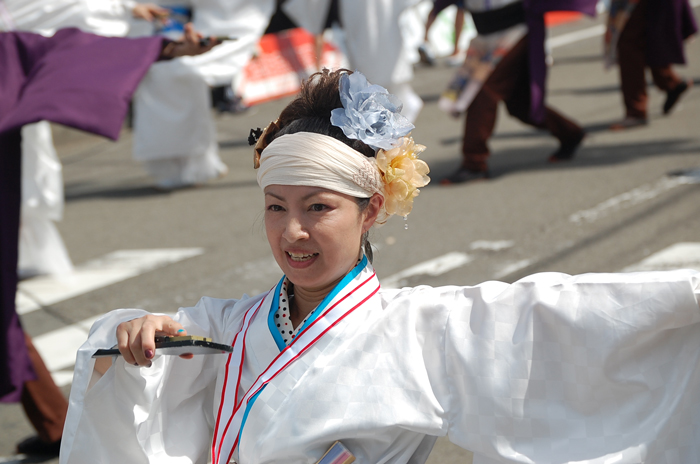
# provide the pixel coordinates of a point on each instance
(174, 132)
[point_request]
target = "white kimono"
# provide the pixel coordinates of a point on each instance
(597, 368)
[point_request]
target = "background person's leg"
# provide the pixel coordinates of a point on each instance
(45, 406)
(482, 112)
(667, 80)
(632, 62)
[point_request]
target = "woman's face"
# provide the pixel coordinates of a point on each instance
(315, 233)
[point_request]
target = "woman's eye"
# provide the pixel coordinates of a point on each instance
(317, 207)
(275, 208)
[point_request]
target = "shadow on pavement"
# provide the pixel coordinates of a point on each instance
(234, 143)
(534, 133)
(510, 161)
(430, 98)
(587, 90)
(122, 191)
(76, 193)
(602, 89)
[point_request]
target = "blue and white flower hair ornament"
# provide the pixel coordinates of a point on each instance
(369, 113)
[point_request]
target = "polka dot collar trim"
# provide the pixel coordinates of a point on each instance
(282, 316)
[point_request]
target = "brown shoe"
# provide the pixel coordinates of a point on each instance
(567, 151)
(628, 123)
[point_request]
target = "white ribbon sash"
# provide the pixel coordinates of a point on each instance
(353, 295)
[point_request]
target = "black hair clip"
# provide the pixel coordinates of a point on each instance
(254, 136)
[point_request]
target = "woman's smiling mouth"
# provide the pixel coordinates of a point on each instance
(301, 257)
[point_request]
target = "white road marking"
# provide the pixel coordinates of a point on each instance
(433, 267)
(62, 378)
(512, 267)
(59, 347)
(684, 255)
(630, 198)
(114, 267)
(576, 36)
(17, 459)
(492, 245)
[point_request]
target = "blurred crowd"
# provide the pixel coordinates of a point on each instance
(497, 52)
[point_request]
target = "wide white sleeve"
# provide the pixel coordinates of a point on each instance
(146, 415)
(597, 368)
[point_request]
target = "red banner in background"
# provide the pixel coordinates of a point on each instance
(554, 18)
(284, 59)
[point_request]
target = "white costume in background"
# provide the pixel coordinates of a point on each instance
(375, 47)
(174, 132)
(373, 42)
(41, 249)
(596, 368)
(103, 17)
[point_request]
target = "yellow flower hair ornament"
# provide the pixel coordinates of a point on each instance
(402, 174)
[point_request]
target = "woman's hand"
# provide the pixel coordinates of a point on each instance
(149, 12)
(136, 338)
(191, 44)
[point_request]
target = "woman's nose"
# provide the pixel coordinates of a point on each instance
(295, 230)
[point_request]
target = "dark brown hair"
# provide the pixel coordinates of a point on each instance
(311, 110)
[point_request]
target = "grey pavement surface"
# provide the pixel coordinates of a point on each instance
(617, 187)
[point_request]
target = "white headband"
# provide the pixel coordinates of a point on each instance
(316, 160)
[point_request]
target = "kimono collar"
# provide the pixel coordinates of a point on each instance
(280, 291)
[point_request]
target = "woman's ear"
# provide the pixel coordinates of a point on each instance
(376, 202)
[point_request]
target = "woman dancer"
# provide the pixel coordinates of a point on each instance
(551, 369)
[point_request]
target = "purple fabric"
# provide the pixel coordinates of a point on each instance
(15, 367)
(78, 79)
(669, 23)
(534, 13)
(73, 78)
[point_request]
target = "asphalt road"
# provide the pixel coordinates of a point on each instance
(617, 203)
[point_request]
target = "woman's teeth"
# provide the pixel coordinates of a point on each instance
(301, 257)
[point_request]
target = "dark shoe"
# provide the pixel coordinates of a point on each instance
(628, 123)
(36, 446)
(234, 105)
(567, 151)
(226, 101)
(672, 96)
(462, 175)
